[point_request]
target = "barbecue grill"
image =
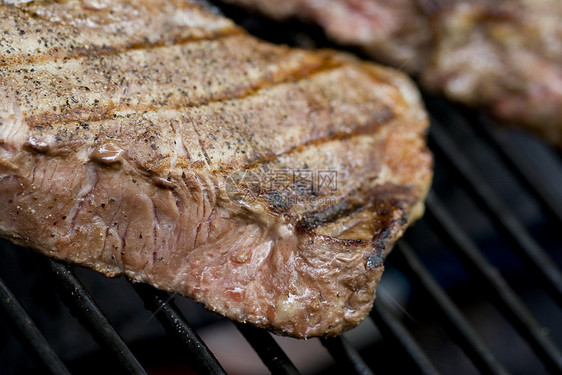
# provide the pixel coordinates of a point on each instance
(474, 287)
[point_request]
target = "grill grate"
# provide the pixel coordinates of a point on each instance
(455, 323)
(393, 329)
(540, 264)
(519, 165)
(495, 285)
(28, 333)
(269, 351)
(89, 314)
(346, 356)
(172, 319)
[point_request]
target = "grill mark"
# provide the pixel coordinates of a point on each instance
(381, 118)
(56, 54)
(329, 214)
(384, 198)
(105, 112)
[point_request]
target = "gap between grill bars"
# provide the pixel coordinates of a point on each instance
(393, 330)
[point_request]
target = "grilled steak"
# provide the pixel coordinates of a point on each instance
(502, 55)
(158, 140)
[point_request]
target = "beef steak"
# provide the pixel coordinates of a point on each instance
(158, 140)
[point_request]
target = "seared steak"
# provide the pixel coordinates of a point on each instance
(502, 55)
(158, 140)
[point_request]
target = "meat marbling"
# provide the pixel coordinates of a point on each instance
(501, 55)
(158, 140)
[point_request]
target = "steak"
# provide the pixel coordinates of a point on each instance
(156, 139)
(501, 55)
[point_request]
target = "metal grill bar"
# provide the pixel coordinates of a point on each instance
(455, 322)
(494, 284)
(391, 328)
(173, 321)
(347, 358)
(87, 311)
(28, 334)
(539, 263)
(518, 165)
(268, 350)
